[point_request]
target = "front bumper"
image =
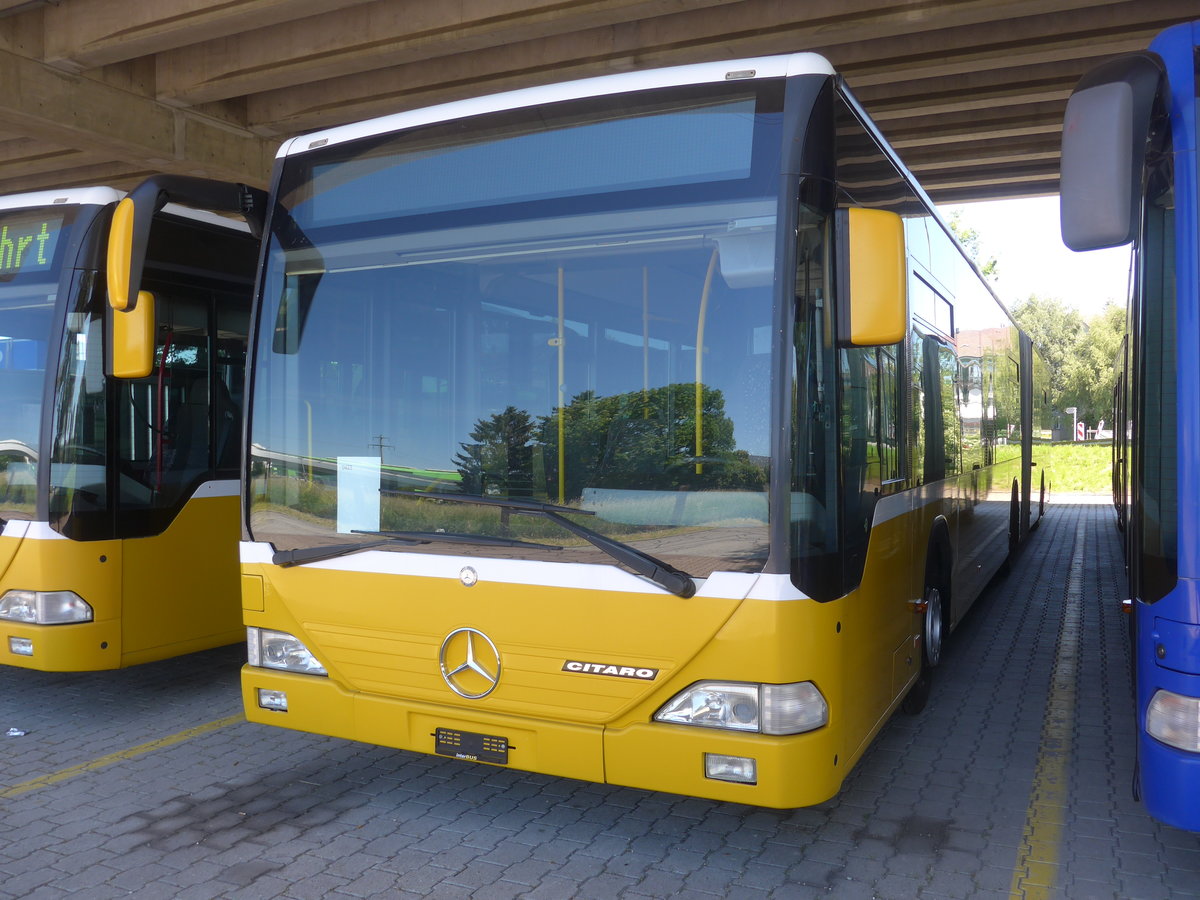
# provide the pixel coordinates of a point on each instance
(796, 770)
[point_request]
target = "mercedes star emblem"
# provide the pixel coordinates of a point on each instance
(470, 663)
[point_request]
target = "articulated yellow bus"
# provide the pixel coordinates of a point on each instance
(118, 488)
(649, 429)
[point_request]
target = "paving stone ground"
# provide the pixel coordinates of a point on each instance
(939, 807)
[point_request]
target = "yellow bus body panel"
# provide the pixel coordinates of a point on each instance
(92, 570)
(380, 635)
(152, 598)
(182, 587)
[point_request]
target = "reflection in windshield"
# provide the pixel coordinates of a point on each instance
(32, 242)
(610, 356)
(25, 322)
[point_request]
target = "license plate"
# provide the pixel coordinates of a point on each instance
(471, 745)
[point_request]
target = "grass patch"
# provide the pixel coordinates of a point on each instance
(1077, 468)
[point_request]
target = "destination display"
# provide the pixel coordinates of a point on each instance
(28, 240)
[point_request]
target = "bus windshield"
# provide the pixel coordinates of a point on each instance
(28, 289)
(568, 303)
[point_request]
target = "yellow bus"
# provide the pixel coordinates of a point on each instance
(649, 429)
(118, 489)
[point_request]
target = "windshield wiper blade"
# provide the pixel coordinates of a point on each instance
(666, 576)
(451, 537)
(481, 500)
(285, 558)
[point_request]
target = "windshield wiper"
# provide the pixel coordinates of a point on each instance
(285, 558)
(665, 576)
(450, 537)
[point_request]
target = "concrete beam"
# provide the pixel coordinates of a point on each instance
(747, 28)
(85, 34)
(119, 175)
(382, 34)
(78, 112)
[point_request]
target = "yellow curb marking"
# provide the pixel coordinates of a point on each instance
(130, 753)
(1036, 869)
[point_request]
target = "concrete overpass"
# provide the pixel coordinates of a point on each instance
(107, 91)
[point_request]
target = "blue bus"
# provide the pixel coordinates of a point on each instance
(1129, 176)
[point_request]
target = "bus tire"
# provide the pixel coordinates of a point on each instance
(935, 616)
(1014, 530)
(1014, 521)
(918, 695)
(933, 624)
(935, 620)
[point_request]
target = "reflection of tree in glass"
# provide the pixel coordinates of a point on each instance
(645, 440)
(499, 459)
(642, 440)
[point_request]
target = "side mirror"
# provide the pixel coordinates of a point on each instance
(131, 316)
(133, 338)
(872, 277)
(131, 310)
(1105, 134)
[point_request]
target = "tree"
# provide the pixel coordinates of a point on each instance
(1080, 354)
(969, 238)
(1091, 370)
(646, 441)
(499, 457)
(1055, 329)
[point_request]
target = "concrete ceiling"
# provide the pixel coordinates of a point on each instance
(971, 92)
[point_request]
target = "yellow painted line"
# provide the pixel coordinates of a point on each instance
(130, 753)
(1036, 870)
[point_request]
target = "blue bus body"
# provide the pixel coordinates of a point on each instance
(1167, 632)
(1138, 183)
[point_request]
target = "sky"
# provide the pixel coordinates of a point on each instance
(1023, 236)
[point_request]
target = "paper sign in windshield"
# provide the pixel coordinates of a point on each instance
(357, 493)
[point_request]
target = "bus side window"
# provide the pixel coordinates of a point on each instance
(229, 383)
(165, 437)
(931, 446)
(890, 467)
(970, 403)
(870, 420)
(952, 435)
(873, 379)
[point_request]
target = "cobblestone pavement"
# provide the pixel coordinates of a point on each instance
(1015, 781)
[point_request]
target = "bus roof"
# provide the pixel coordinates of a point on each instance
(697, 73)
(88, 196)
(102, 196)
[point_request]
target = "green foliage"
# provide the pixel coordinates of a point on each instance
(642, 440)
(969, 238)
(1091, 372)
(645, 440)
(1084, 468)
(499, 458)
(1056, 330)
(1081, 353)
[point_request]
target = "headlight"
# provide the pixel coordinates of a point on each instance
(1175, 720)
(764, 708)
(280, 650)
(44, 607)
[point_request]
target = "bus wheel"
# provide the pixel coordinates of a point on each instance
(932, 621)
(931, 628)
(918, 695)
(1014, 531)
(1014, 520)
